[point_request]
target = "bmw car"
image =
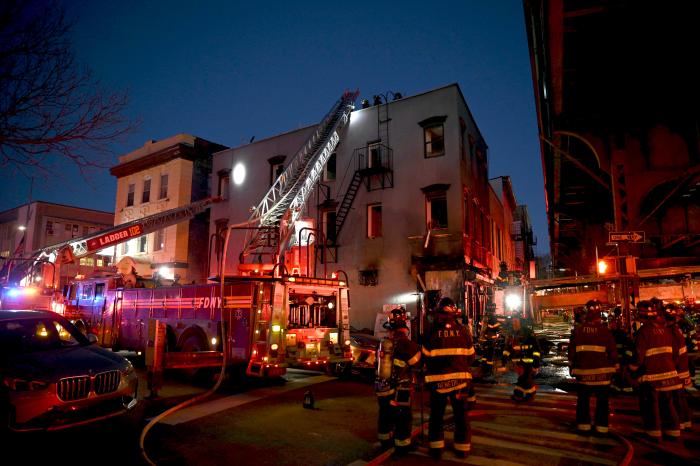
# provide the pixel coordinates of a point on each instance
(53, 377)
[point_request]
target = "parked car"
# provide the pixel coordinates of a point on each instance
(53, 377)
(364, 354)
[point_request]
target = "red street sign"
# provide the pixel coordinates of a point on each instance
(631, 236)
(114, 237)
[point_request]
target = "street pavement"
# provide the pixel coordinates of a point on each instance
(269, 426)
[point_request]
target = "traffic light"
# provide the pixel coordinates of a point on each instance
(602, 267)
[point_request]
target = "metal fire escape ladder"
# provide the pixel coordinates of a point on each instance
(346, 204)
(283, 204)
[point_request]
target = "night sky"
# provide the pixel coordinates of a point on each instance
(226, 71)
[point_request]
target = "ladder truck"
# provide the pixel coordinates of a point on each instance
(265, 321)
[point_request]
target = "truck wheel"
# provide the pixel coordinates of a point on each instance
(193, 343)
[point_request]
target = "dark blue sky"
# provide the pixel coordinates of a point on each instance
(227, 70)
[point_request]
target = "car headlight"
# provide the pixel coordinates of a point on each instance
(18, 384)
(128, 369)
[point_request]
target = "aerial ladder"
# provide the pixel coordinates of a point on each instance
(17, 269)
(273, 219)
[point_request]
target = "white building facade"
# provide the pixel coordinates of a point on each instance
(404, 204)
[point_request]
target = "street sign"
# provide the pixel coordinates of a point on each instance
(631, 236)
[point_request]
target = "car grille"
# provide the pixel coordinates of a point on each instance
(76, 388)
(73, 388)
(106, 382)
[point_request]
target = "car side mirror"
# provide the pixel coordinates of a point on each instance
(92, 338)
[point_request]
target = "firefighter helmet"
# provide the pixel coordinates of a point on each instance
(447, 305)
(672, 311)
(645, 310)
(398, 319)
(593, 309)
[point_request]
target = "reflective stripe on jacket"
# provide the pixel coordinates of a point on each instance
(593, 354)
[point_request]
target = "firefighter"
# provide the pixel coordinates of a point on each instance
(673, 314)
(622, 383)
(523, 350)
(655, 370)
(489, 341)
(593, 361)
(397, 355)
(449, 352)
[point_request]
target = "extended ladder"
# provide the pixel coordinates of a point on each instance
(284, 202)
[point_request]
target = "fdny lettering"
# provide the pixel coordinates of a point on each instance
(448, 333)
(659, 331)
(590, 330)
(203, 303)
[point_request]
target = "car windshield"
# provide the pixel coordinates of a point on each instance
(38, 334)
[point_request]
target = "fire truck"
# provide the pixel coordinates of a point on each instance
(265, 316)
(270, 322)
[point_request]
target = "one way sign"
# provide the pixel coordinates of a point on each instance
(631, 236)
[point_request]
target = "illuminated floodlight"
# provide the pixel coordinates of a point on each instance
(602, 266)
(239, 173)
(513, 301)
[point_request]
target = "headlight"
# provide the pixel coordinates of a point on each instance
(22, 385)
(128, 369)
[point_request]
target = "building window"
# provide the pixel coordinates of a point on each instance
(142, 243)
(146, 195)
(163, 187)
(434, 136)
(224, 183)
(100, 263)
(159, 240)
(329, 173)
(374, 220)
(130, 195)
(89, 261)
(74, 231)
(329, 230)
(49, 227)
(436, 205)
(125, 248)
(368, 277)
(86, 230)
(276, 167)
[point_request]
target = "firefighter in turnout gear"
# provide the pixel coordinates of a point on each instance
(489, 341)
(523, 351)
(622, 381)
(397, 355)
(673, 314)
(593, 361)
(449, 353)
(655, 369)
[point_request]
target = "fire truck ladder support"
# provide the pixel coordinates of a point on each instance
(284, 202)
(79, 246)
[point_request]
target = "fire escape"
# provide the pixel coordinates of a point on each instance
(373, 166)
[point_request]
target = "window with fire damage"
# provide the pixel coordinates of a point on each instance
(369, 277)
(436, 206)
(433, 136)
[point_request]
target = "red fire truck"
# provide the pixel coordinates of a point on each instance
(270, 323)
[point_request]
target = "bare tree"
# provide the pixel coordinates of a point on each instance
(51, 110)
